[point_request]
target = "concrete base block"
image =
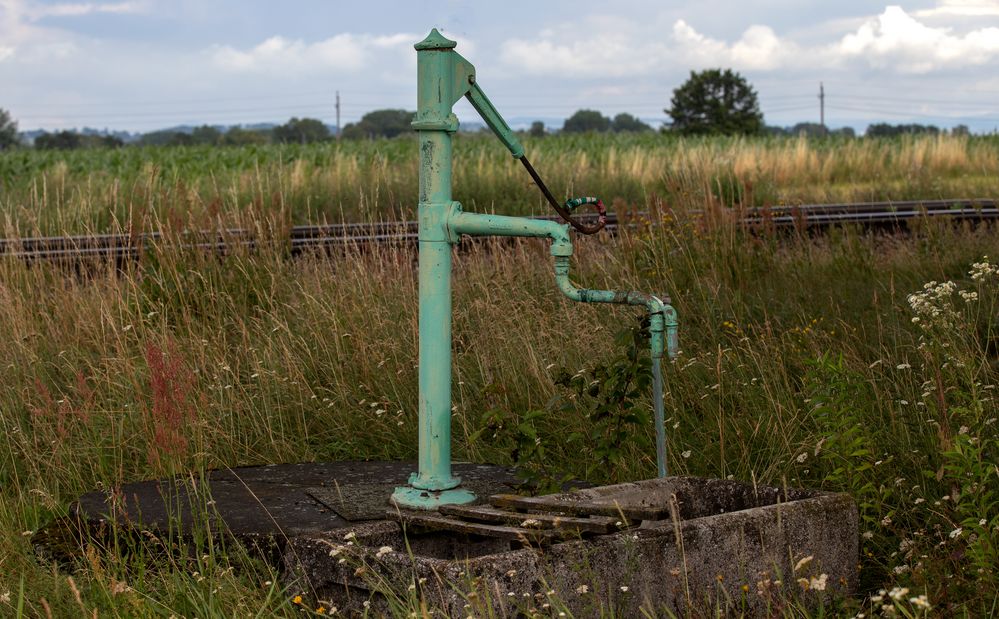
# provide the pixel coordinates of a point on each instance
(725, 544)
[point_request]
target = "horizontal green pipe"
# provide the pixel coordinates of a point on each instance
(477, 224)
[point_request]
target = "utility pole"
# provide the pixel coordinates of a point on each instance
(822, 105)
(338, 115)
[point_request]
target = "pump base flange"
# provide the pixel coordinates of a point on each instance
(408, 497)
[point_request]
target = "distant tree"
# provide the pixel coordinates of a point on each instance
(886, 130)
(537, 129)
(812, 130)
(66, 140)
(380, 123)
(179, 138)
(960, 130)
(206, 135)
(845, 132)
(237, 136)
(715, 101)
(586, 120)
(109, 141)
(8, 131)
(301, 130)
(63, 140)
(627, 122)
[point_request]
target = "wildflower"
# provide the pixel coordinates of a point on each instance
(898, 593)
(530, 523)
(902, 366)
(686, 454)
(296, 600)
(350, 536)
(920, 602)
(819, 584)
(803, 562)
(583, 589)
(5, 597)
(321, 610)
(868, 535)
(955, 533)
(982, 522)
(802, 457)
(624, 588)
(876, 599)
(384, 550)
(981, 270)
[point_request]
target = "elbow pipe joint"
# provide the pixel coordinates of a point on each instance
(663, 324)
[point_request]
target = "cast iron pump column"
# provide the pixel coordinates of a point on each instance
(443, 77)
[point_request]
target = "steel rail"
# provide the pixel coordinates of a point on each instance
(343, 235)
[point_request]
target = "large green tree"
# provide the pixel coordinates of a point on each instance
(8, 131)
(586, 120)
(301, 130)
(715, 101)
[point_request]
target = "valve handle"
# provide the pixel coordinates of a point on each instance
(565, 211)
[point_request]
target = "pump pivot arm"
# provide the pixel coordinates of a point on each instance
(488, 112)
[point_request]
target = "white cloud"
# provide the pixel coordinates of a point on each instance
(6, 52)
(343, 52)
(896, 40)
(962, 8)
(74, 9)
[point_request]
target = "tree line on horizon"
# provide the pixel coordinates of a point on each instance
(709, 102)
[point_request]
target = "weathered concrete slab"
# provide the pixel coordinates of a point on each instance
(723, 543)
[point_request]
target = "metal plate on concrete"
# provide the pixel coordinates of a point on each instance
(274, 502)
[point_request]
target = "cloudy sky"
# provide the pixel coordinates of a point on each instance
(146, 64)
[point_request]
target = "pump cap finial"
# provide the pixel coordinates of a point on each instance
(435, 40)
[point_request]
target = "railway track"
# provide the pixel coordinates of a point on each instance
(333, 236)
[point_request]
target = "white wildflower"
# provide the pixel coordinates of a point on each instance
(818, 584)
(920, 602)
(583, 589)
(955, 533)
(384, 550)
(898, 593)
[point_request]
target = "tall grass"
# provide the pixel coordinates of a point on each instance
(801, 364)
(46, 192)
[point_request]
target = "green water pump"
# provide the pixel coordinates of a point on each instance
(444, 76)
